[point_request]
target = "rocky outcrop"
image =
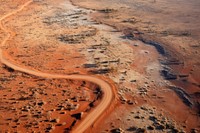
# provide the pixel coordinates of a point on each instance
(168, 74)
(76, 38)
(182, 95)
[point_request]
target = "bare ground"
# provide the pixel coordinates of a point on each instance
(56, 37)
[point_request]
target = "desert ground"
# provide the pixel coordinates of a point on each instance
(99, 66)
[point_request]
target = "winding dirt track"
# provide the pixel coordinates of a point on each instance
(106, 88)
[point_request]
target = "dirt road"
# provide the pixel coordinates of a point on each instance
(106, 88)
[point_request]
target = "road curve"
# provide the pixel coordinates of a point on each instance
(106, 88)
